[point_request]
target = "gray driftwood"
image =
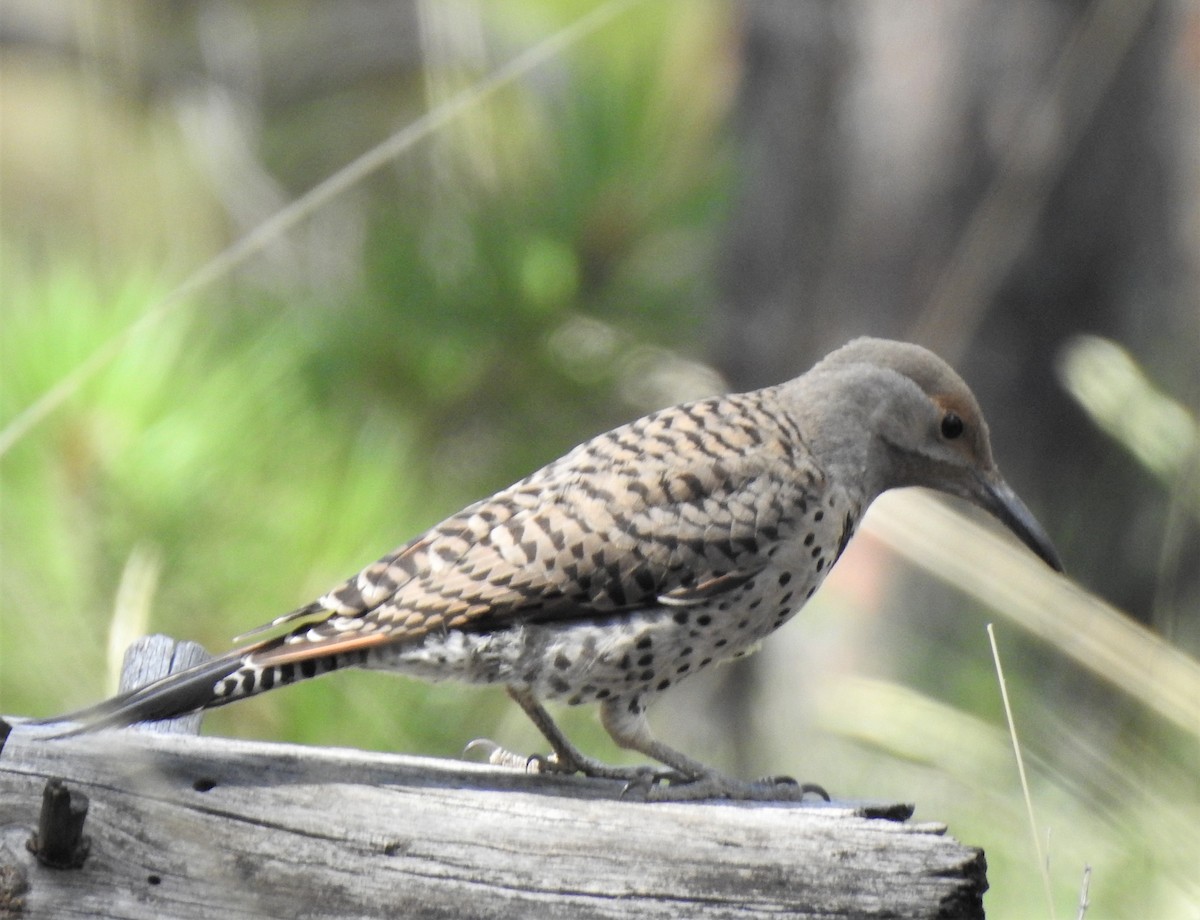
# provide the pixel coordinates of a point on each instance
(182, 826)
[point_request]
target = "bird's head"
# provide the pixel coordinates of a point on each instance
(923, 426)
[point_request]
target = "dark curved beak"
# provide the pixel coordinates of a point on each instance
(996, 496)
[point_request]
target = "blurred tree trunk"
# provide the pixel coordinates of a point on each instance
(792, 176)
(988, 180)
(872, 134)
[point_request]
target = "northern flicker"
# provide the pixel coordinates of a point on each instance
(641, 557)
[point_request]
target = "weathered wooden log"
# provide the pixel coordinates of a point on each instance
(186, 827)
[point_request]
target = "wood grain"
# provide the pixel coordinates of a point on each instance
(193, 827)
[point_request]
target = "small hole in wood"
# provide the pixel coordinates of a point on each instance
(204, 784)
(153, 879)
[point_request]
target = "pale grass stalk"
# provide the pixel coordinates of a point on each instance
(993, 568)
(1043, 868)
(1083, 892)
(132, 607)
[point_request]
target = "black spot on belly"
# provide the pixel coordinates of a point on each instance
(558, 685)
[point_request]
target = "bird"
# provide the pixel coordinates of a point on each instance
(641, 557)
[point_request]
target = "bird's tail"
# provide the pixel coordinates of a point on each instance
(233, 676)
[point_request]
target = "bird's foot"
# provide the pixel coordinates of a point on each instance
(503, 757)
(719, 786)
(652, 783)
(571, 761)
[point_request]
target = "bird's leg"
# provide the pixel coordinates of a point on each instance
(566, 758)
(626, 722)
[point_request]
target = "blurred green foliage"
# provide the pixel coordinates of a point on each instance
(270, 437)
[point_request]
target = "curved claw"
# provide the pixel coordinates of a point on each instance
(503, 757)
(816, 789)
(480, 744)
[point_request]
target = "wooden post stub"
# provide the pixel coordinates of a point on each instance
(153, 657)
(59, 841)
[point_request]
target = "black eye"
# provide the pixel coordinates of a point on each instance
(952, 426)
